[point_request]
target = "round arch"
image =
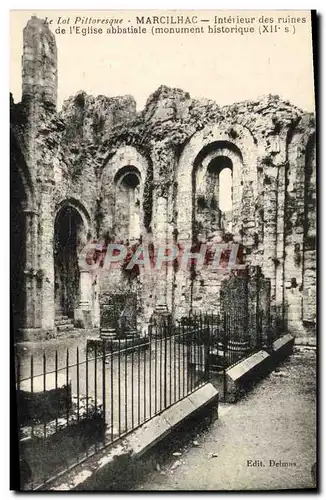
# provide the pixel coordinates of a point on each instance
(234, 142)
(126, 171)
(79, 207)
(127, 161)
(125, 156)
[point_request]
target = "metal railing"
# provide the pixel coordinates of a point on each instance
(228, 337)
(73, 403)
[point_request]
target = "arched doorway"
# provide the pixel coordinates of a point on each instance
(67, 239)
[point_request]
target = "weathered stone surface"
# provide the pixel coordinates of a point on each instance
(283, 347)
(98, 150)
(241, 369)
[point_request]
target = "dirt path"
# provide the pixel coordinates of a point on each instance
(275, 422)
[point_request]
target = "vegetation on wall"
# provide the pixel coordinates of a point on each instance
(148, 199)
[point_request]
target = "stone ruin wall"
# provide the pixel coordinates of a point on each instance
(75, 157)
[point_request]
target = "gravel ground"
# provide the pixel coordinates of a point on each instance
(276, 421)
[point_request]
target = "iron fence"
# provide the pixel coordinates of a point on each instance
(73, 404)
(227, 338)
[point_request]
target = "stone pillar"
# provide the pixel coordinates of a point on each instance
(46, 261)
(33, 276)
(161, 239)
(309, 255)
(39, 62)
(253, 275)
(248, 215)
(183, 280)
(84, 287)
(83, 314)
(294, 236)
(270, 228)
(280, 242)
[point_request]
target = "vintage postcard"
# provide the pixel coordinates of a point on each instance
(163, 250)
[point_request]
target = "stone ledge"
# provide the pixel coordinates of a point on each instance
(245, 373)
(282, 347)
(156, 429)
(148, 435)
(113, 460)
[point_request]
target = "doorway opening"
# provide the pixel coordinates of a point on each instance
(68, 225)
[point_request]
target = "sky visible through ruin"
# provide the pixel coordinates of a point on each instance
(225, 68)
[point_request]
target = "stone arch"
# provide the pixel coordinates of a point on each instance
(127, 203)
(126, 162)
(299, 263)
(71, 230)
(232, 141)
(80, 208)
(208, 166)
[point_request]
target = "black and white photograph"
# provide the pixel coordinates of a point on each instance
(163, 269)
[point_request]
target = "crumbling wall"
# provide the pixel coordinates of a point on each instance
(74, 156)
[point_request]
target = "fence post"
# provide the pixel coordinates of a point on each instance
(207, 344)
(261, 337)
(103, 382)
(225, 344)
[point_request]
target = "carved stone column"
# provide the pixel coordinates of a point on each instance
(270, 227)
(46, 261)
(33, 276)
(83, 314)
